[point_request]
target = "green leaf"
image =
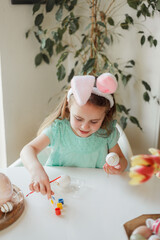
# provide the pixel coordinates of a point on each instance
(49, 5)
(155, 42)
(38, 59)
(73, 25)
(132, 62)
(133, 3)
(71, 75)
(124, 25)
(123, 122)
(45, 58)
(129, 19)
(59, 14)
(146, 85)
(145, 10)
(135, 121)
(61, 72)
(121, 108)
(158, 5)
(110, 21)
(107, 40)
(59, 48)
(36, 7)
(62, 58)
(101, 24)
(39, 19)
(69, 5)
(27, 33)
(126, 78)
(89, 65)
(146, 97)
(143, 39)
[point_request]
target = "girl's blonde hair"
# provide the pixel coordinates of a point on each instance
(62, 111)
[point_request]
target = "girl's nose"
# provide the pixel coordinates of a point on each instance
(85, 126)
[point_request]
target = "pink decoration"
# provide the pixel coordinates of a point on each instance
(82, 87)
(107, 83)
(154, 225)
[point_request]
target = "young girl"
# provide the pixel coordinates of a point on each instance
(81, 132)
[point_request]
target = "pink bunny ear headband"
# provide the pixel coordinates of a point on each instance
(83, 86)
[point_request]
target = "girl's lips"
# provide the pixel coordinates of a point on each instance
(83, 132)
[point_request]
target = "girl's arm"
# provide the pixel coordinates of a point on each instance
(40, 180)
(123, 161)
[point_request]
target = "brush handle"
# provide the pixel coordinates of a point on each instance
(49, 182)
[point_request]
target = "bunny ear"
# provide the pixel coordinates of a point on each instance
(149, 222)
(107, 83)
(82, 87)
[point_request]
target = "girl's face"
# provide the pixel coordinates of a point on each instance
(87, 119)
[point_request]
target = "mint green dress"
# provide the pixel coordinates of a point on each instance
(70, 150)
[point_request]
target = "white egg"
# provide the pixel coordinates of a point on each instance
(143, 231)
(6, 189)
(7, 207)
(64, 181)
(112, 159)
(137, 237)
(154, 237)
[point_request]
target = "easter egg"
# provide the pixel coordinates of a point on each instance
(7, 207)
(64, 181)
(153, 237)
(112, 159)
(6, 189)
(143, 231)
(137, 237)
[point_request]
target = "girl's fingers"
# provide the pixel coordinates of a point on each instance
(36, 187)
(49, 191)
(31, 187)
(43, 189)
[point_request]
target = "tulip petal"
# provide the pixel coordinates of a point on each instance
(154, 151)
(144, 170)
(142, 160)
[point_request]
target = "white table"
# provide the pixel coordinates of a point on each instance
(97, 211)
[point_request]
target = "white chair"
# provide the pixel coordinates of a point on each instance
(123, 143)
(42, 157)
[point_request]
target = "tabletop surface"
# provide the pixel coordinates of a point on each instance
(96, 207)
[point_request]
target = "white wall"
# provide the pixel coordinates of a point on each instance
(27, 89)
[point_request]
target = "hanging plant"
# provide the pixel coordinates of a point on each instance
(63, 37)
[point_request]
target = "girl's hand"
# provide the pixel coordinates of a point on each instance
(40, 182)
(111, 170)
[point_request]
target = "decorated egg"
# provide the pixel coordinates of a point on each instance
(143, 231)
(137, 237)
(64, 181)
(153, 237)
(7, 207)
(6, 189)
(154, 225)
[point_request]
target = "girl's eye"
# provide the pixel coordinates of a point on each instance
(93, 122)
(78, 119)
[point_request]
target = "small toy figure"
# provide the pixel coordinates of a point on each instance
(6, 194)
